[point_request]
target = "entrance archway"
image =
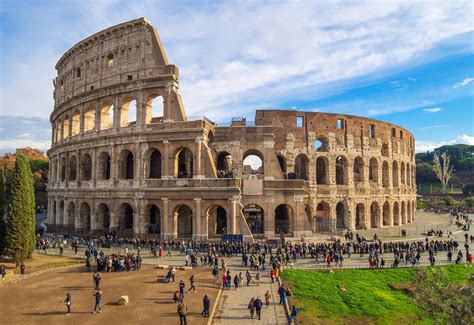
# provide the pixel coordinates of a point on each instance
(254, 216)
(360, 217)
(321, 222)
(386, 214)
(85, 217)
(283, 217)
(126, 216)
(340, 216)
(184, 163)
(217, 220)
(184, 216)
(374, 215)
(154, 220)
(103, 217)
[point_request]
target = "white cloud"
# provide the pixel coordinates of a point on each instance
(463, 83)
(432, 110)
(434, 127)
(423, 146)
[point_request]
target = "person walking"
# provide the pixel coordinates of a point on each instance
(67, 301)
(182, 312)
(258, 307)
(22, 269)
(181, 289)
(97, 280)
(268, 296)
(206, 303)
(251, 307)
(3, 271)
(98, 296)
(191, 284)
(282, 293)
(249, 277)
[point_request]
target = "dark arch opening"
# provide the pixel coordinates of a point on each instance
(321, 171)
(283, 216)
(374, 215)
(254, 216)
(104, 166)
(154, 220)
(360, 216)
(103, 216)
(185, 221)
(340, 216)
(184, 164)
(155, 164)
(341, 170)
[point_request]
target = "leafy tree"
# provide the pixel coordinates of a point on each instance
(20, 237)
(453, 303)
(3, 202)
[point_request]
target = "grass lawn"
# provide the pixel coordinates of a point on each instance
(368, 297)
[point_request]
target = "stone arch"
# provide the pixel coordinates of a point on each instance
(153, 163)
(217, 220)
(408, 175)
(76, 123)
(89, 119)
(126, 218)
(106, 116)
(60, 214)
(396, 214)
(126, 165)
(373, 170)
(360, 217)
(283, 218)
(224, 164)
(66, 127)
(359, 176)
(404, 213)
(253, 162)
(341, 212)
(385, 174)
(183, 219)
(342, 170)
(322, 170)
(322, 218)
(104, 166)
(154, 219)
(72, 168)
(374, 215)
(155, 109)
(63, 169)
(255, 217)
(183, 167)
(86, 167)
(395, 178)
(302, 167)
(128, 112)
(85, 217)
(71, 216)
(402, 173)
(386, 214)
(103, 217)
(321, 144)
(282, 163)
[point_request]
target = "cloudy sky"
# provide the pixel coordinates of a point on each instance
(408, 63)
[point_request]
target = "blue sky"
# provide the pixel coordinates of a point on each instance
(408, 63)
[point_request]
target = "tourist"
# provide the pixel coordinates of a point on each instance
(3, 272)
(251, 307)
(97, 280)
(282, 293)
(294, 313)
(181, 289)
(272, 276)
(206, 302)
(191, 284)
(215, 273)
(268, 296)
(22, 269)
(249, 277)
(257, 278)
(182, 311)
(258, 307)
(236, 282)
(98, 296)
(67, 301)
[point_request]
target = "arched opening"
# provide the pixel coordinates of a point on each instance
(71, 216)
(85, 217)
(128, 112)
(373, 170)
(408, 175)
(60, 214)
(155, 164)
(386, 214)
(126, 219)
(184, 216)
(76, 123)
(154, 220)
(385, 151)
(301, 167)
(359, 170)
(321, 144)
(360, 217)
(155, 109)
(282, 163)
(66, 127)
(321, 220)
(224, 165)
(340, 216)
(107, 117)
(385, 174)
(322, 170)
(104, 166)
(184, 163)
(395, 174)
(402, 173)
(253, 163)
(126, 165)
(103, 217)
(341, 170)
(217, 220)
(283, 217)
(374, 215)
(89, 119)
(254, 216)
(404, 213)
(86, 167)
(72, 168)
(396, 214)
(63, 169)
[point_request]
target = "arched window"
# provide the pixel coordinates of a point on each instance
(103, 217)
(359, 170)
(104, 166)
(126, 215)
(85, 217)
(374, 215)
(301, 167)
(396, 214)
(66, 127)
(184, 220)
(395, 177)
(360, 217)
(253, 163)
(107, 117)
(72, 168)
(321, 170)
(76, 123)
(63, 169)
(126, 165)
(322, 220)
(385, 174)
(321, 144)
(86, 167)
(155, 109)
(373, 170)
(89, 119)
(341, 170)
(183, 163)
(128, 112)
(340, 216)
(386, 214)
(154, 223)
(155, 164)
(224, 165)
(71, 216)
(402, 173)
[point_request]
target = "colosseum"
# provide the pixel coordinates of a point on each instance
(125, 158)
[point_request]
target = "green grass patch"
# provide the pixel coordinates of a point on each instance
(368, 296)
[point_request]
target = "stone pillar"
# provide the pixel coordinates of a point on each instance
(117, 113)
(197, 173)
(233, 217)
(165, 233)
(113, 220)
(167, 169)
(267, 158)
(197, 231)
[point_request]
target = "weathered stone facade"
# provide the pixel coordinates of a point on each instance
(125, 157)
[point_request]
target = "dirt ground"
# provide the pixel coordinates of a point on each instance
(40, 262)
(39, 300)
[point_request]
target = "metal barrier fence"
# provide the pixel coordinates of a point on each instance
(387, 266)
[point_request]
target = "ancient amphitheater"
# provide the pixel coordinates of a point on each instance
(125, 158)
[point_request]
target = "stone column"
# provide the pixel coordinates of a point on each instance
(267, 157)
(165, 233)
(117, 113)
(233, 217)
(197, 231)
(197, 173)
(167, 172)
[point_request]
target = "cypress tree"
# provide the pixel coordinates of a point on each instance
(3, 229)
(21, 223)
